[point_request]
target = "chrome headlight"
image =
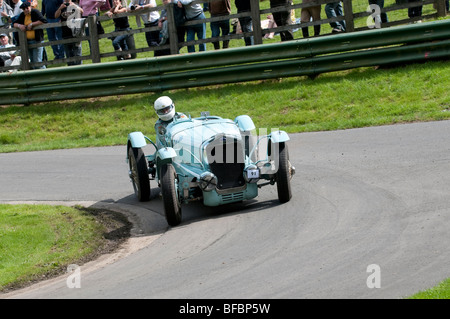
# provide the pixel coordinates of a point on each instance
(208, 181)
(251, 173)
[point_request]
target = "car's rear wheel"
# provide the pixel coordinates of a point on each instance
(139, 173)
(283, 175)
(169, 191)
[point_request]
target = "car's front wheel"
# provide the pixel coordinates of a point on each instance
(284, 174)
(169, 191)
(139, 173)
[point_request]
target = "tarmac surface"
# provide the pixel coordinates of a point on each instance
(369, 218)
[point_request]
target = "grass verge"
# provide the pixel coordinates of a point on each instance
(40, 241)
(333, 101)
(441, 291)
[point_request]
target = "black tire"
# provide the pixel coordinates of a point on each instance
(283, 175)
(169, 191)
(139, 173)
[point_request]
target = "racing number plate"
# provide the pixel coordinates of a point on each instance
(253, 173)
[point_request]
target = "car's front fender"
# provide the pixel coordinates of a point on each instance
(166, 153)
(245, 123)
(136, 139)
(279, 137)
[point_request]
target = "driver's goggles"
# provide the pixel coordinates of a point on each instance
(165, 110)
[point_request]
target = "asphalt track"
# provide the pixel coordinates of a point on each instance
(361, 197)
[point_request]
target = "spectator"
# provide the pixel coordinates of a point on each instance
(235, 26)
(17, 12)
(306, 15)
(415, 11)
(283, 18)
(65, 11)
(164, 30)
(49, 8)
(121, 24)
(34, 3)
(270, 25)
(150, 19)
(8, 58)
(15, 5)
(383, 16)
(333, 10)
(6, 12)
(90, 8)
(218, 8)
(194, 11)
(245, 22)
(26, 21)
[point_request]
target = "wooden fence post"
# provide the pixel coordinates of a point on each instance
(440, 8)
(256, 21)
(23, 44)
(93, 39)
(173, 34)
(348, 16)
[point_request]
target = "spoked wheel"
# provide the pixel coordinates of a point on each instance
(139, 173)
(169, 191)
(284, 174)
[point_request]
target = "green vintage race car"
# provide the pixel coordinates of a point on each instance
(209, 158)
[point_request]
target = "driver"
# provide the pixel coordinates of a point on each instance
(165, 109)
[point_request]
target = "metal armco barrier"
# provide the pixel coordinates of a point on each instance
(417, 42)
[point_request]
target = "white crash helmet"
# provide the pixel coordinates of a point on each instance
(165, 108)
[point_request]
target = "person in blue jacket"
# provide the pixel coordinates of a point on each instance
(49, 8)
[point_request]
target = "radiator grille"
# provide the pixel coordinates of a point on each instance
(227, 162)
(233, 197)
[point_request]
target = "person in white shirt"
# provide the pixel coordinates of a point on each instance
(8, 58)
(150, 19)
(15, 5)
